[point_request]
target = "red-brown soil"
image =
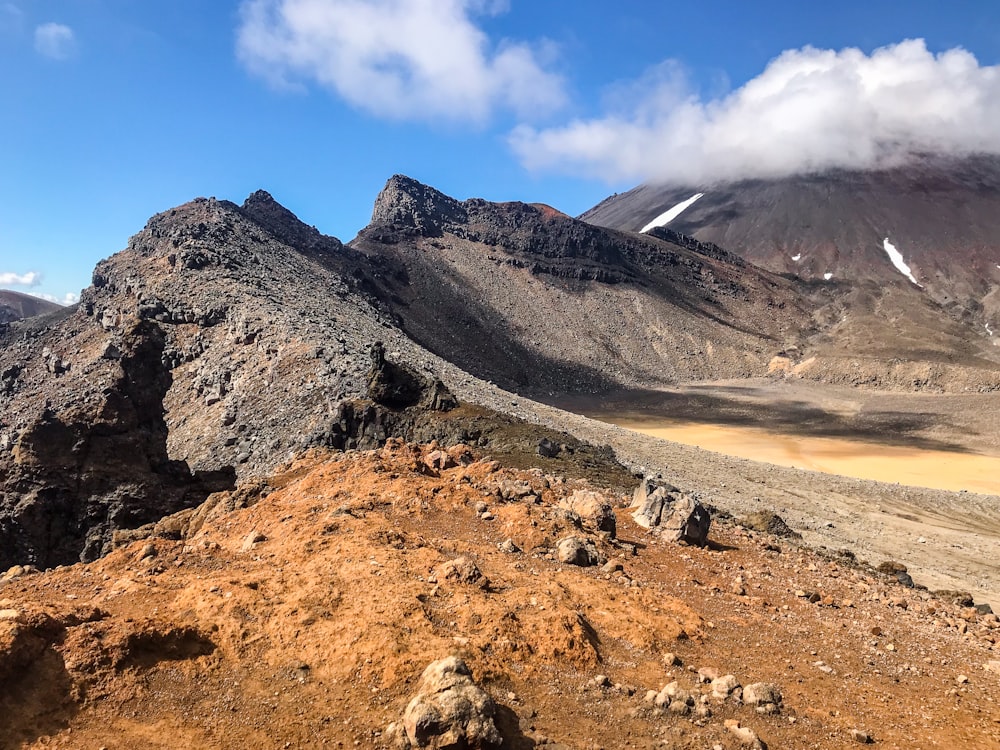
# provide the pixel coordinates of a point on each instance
(316, 634)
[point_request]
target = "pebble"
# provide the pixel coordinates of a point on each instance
(251, 539)
(745, 735)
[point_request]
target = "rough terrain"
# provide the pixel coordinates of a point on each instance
(243, 582)
(303, 615)
(503, 289)
(938, 212)
(16, 306)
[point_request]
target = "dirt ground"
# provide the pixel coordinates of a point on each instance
(948, 539)
(306, 619)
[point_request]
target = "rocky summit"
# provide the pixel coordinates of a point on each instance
(264, 488)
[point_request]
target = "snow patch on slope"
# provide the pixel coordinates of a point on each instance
(668, 216)
(797, 258)
(897, 260)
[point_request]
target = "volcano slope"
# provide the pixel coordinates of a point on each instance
(543, 304)
(939, 213)
(305, 616)
(221, 341)
(15, 306)
(246, 586)
(225, 339)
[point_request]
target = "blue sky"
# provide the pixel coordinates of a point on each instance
(113, 110)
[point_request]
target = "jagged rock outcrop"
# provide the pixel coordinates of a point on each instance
(76, 474)
(673, 515)
(395, 385)
(223, 340)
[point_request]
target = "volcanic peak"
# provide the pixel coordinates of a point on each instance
(407, 205)
(285, 226)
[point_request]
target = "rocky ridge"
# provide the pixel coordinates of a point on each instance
(660, 307)
(223, 340)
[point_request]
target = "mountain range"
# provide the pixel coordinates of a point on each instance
(227, 337)
(931, 224)
(259, 479)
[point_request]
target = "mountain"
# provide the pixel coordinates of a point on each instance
(940, 214)
(545, 304)
(211, 533)
(226, 339)
(540, 302)
(15, 306)
(223, 340)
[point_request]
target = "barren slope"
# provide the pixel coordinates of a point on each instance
(302, 613)
(15, 306)
(543, 304)
(941, 214)
(528, 297)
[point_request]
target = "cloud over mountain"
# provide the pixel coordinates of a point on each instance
(32, 278)
(402, 59)
(810, 109)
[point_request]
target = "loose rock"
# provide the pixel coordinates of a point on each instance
(575, 550)
(676, 516)
(449, 711)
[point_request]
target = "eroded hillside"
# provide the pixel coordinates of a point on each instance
(302, 611)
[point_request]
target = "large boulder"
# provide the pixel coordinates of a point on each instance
(593, 508)
(448, 711)
(673, 515)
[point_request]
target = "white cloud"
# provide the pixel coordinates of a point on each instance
(402, 59)
(55, 41)
(67, 299)
(809, 110)
(32, 278)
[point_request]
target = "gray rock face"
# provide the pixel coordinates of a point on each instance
(221, 342)
(674, 515)
(449, 711)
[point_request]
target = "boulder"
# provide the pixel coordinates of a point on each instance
(448, 711)
(674, 515)
(593, 508)
(548, 449)
(765, 697)
(723, 687)
(768, 522)
(462, 570)
(575, 550)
